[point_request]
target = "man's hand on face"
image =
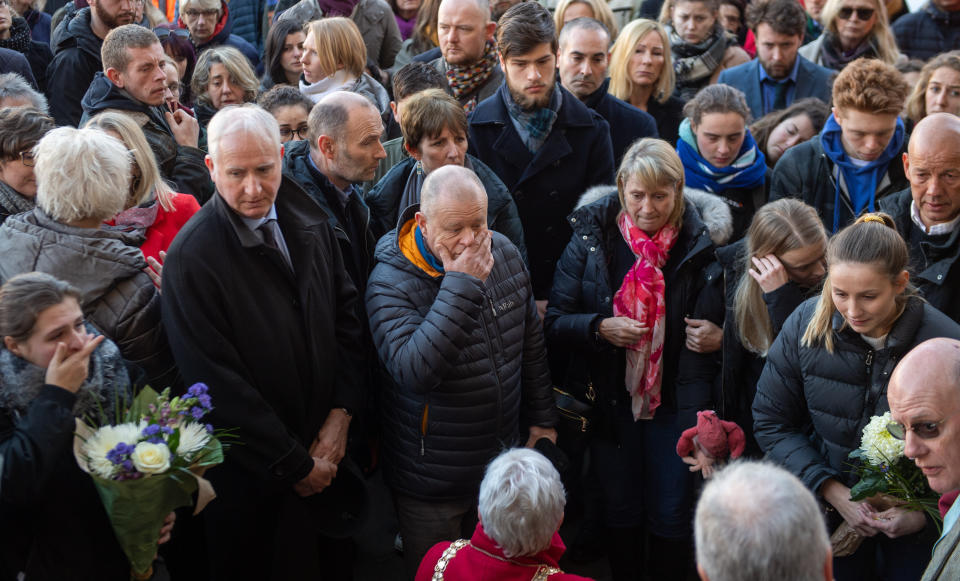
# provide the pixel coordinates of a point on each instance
(475, 260)
(186, 129)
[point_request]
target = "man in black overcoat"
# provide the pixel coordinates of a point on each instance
(261, 309)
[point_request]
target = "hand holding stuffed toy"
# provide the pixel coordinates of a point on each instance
(712, 439)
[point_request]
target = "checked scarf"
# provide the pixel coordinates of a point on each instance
(641, 297)
(534, 125)
(695, 62)
(466, 80)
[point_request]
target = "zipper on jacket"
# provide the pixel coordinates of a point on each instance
(869, 362)
(496, 368)
(423, 428)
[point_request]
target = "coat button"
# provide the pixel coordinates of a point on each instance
(584, 237)
(593, 249)
(939, 277)
(553, 195)
(574, 220)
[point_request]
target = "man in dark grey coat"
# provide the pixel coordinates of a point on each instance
(453, 317)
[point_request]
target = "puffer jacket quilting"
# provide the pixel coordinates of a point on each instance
(811, 406)
(467, 363)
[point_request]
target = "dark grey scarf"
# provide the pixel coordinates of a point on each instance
(12, 202)
(21, 381)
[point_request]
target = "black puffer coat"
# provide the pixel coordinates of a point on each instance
(582, 295)
(934, 267)
(811, 406)
(468, 365)
(76, 59)
(739, 369)
(927, 32)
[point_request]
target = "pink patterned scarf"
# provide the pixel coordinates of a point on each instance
(641, 297)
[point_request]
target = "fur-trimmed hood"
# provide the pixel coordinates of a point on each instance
(713, 211)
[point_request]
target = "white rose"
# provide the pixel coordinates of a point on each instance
(151, 458)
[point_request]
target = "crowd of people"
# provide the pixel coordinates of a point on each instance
(502, 253)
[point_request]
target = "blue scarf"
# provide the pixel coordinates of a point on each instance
(748, 170)
(425, 252)
(861, 182)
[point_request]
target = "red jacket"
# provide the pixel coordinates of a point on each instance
(470, 564)
(161, 234)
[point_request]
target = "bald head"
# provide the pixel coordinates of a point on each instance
(331, 115)
(451, 185)
(932, 164)
(937, 130)
(924, 397)
(463, 29)
(931, 365)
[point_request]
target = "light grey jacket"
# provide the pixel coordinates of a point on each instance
(375, 20)
(945, 564)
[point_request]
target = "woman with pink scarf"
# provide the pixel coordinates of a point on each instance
(630, 275)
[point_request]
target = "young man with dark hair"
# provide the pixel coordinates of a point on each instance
(779, 75)
(546, 146)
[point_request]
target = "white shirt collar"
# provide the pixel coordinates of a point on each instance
(936, 229)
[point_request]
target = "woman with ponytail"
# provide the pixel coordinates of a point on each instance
(826, 375)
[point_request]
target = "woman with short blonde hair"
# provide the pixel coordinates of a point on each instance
(641, 73)
(334, 58)
(629, 275)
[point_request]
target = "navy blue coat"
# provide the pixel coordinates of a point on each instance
(812, 81)
(12, 61)
(926, 33)
(76, 60)
(545, 185)
(627, 123)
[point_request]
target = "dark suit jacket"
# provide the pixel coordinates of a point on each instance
(547, 184)
(812, 81)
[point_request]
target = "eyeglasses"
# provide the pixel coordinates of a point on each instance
(192, 14)
(300, 132)
(862, 13)
(163, 33)
(923, 430)
(26, 157)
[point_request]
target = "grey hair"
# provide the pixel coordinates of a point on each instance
(249, 119)
(449, 180)
(521, 501)
(332, 113)
(582, 23)
(81, 174)
(13, 86)
(202, 5)
(755, 522)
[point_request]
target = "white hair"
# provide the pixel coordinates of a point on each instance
(521, 502)
(15, 87)
(248, 119)
(81, 174)
(756, 522)
(449, 180)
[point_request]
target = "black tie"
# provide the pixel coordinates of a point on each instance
(780, 96)
(270, 231)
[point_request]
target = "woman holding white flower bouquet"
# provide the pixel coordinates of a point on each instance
(825, 378)
(53, 368)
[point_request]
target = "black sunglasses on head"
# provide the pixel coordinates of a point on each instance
(862, 13)
(163, 33)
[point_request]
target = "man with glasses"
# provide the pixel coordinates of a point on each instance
(133, 81)
(924, 398)
(76, 54)
(210, 25)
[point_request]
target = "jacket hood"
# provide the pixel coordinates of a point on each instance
(94, 261)
(103, 94)
(371, 89)
(75, 31)
(714, 213)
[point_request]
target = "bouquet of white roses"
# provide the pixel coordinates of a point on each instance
(887, 479)
(148, 464)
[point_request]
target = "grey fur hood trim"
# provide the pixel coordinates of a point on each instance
(713, 211)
